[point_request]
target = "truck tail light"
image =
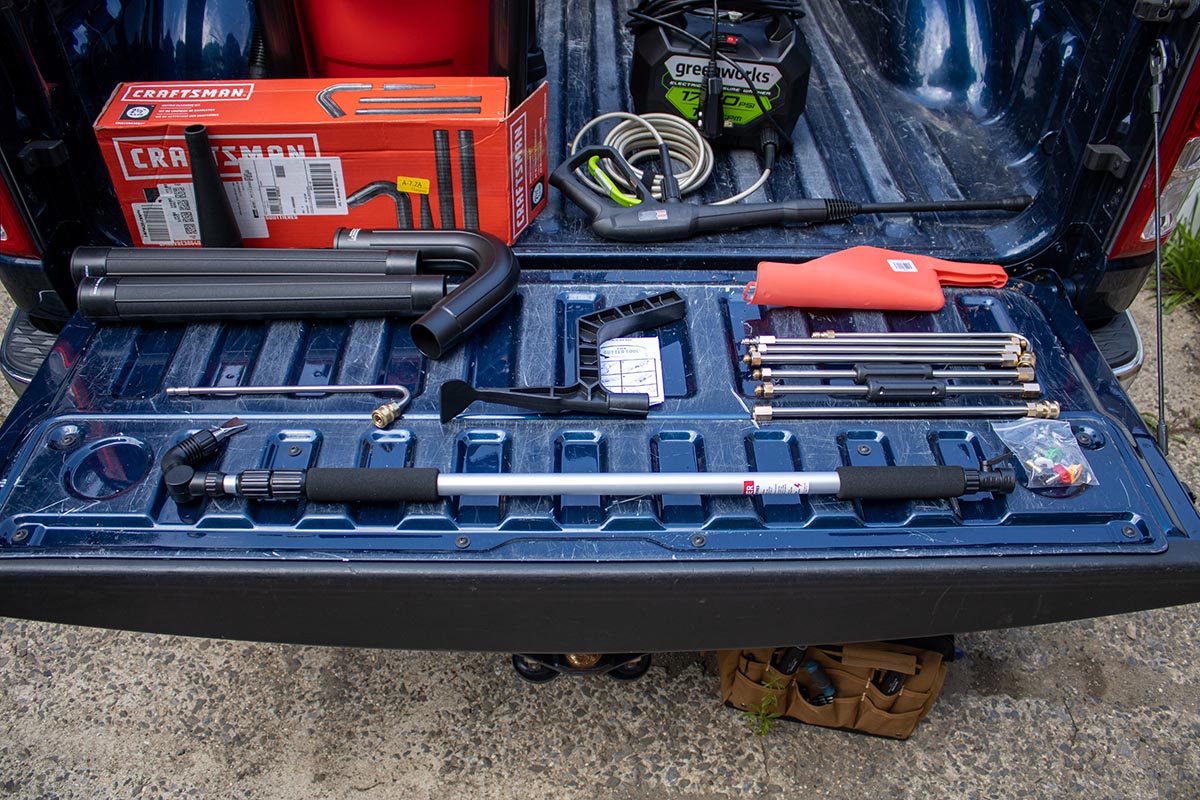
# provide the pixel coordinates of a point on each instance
(1179, 154)
(15, 238)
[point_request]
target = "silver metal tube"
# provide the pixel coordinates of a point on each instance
(1018, 375)
(1019, 389)
(389, 100)
(933, 349)
(997, 359)
(235, 391)
(636, 484)
(404, 87)
(1041, 409)
(930, 337)
(418, 111)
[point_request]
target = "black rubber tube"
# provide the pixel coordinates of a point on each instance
(98, 262)
(474, 302)
(214, 215)
(404, 215)
(426, 216)
(466, 178)
(200, 297)
(909, 483)
(358, 485)
(445, 179)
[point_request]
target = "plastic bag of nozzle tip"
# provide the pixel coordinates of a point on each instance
(1048, 451)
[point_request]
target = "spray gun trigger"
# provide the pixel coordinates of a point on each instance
(609, 185)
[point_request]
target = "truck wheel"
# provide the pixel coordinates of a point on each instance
(532, 671)
(632, 670)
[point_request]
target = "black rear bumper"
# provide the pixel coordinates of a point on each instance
(537, 607)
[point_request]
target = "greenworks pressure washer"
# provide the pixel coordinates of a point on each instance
(733, 70)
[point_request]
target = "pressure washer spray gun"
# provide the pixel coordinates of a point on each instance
(630, 213)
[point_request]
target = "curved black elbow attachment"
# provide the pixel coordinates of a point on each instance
(476, 300)
(184, 484)
(385, 189)
(214, 215)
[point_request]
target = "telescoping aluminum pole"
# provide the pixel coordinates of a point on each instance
(366, 485)
(186, 483)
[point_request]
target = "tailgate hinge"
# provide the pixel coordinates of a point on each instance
(1106, 158)
(43, 153)
(1162, 10)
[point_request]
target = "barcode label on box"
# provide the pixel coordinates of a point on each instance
(902, 265)
(152, 223)
(171, 218)
(296, 187)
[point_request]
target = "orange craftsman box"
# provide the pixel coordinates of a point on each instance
(302, 158)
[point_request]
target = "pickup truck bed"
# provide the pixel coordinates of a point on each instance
(864, 136)
(88, 535)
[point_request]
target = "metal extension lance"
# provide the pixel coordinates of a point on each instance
(862, 373)
(984, 337)
(335, 388)
(1040, 409)
(900, 389)
(1007, 360)
(867, 350)
(381, 417)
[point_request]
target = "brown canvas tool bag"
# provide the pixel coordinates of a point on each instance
(881, 688)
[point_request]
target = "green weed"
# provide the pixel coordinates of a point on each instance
(1181, 267)
(762, 717)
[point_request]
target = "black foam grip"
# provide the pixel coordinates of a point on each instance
(900, 483)
(366, 485)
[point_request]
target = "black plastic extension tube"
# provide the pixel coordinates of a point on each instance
(466, 176)
(201, 297)
(121, 262)
(214, 215)
(445, 179)
(476, 300)
(136, 285)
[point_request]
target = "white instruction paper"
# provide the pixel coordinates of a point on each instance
(633, 365)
